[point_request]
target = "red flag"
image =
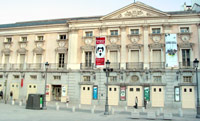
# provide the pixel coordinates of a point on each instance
(22, 82)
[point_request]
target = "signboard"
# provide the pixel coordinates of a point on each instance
(177, 94)
(122, 93)
(100, 51)
(171, 50)
(63, 91)
(95, 92)
(147, 93)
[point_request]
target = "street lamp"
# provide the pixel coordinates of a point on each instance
(196, 62)
(46, 68)
(107, 70)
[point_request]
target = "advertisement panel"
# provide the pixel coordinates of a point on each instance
(122, 93)
(63, 91)
(147, 93)
(171, 50)
(95, 92)
(100, 52)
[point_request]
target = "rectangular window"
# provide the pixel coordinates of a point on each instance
(22, 58)
(113, 78)
(1, 76)
(61, 60)
(156, 55)
(184, 30)
(134, 56)
(177, 94)
(16, 76)
(156, 31)
(6, 61)
(24, 39)
(57, 77)
(38, 58)
(40, 38)
(88, 59)
(157, 79)
(137, 89)
(89, 34)
(86, 78)
(113, 56)
(33, 76)
(186, 57)
(154, 89)
(9, 39)
(114, 32)
(62, 37)
(187, 79)
(131, 89)
(134, 31)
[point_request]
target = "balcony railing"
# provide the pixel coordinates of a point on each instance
(34, 66)
(16, 66)
(134, 65)
(86, 66)
(157, 65)
(57, 66)
(186, 65)
(3, 66)
(114, 65)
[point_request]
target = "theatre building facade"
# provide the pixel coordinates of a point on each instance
(151, 53)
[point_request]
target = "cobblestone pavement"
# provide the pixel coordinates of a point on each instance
(15, 112)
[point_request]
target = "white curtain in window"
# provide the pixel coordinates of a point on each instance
(113, 56)
(134, 56)
(156, 55)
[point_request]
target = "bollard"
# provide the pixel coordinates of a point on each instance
(92, 110)
(158, 113)
(125, 108)
(67, 105)
(56, 103)
(180, 112)
(79, 106)
(20, 103)
(57, 107)
(73, 109)
(94, 106)
(143, 109)
(113, 111)
(13, 102)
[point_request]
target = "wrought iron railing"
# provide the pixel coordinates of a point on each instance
(157, 65)
(134, 65)
(87, 66)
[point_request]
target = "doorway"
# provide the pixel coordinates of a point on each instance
(56, 92)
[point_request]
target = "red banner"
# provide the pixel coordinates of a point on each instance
(122, 93)
(22, 82)
(100, 52)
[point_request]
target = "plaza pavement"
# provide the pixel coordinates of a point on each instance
(9, 112)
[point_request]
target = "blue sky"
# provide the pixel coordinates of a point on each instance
(12, 11)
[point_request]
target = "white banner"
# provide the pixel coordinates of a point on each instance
(171, 50)
(63, 91)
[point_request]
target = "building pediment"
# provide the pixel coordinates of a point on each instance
(135, 10)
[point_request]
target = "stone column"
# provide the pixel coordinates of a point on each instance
(123, 53)
(146, 48)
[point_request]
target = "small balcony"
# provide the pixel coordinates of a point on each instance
(134, 65)
(186, 65)
(86, 66)
(34, 66)
(157, 65)
(17, 67)
(57, 66)
(115, 66)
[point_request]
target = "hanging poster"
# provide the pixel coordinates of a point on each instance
(122, 93)
(147, 93)
(100, 51)
(63, 91)
(177, 94)
(47, 89)
(95, 92)
(171, 50)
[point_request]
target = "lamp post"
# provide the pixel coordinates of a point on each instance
(196, 62)
(5, 84)
(107, 70)
(46, 68)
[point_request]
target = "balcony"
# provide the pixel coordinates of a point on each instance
(134, 65)
(157, 65)
(57, 66)
(186, 65)
(114, 65)
(17, 67)
(87, 66)
(34, 66)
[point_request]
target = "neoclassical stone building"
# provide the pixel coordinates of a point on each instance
(135, 45)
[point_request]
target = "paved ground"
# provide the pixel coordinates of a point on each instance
(15, 112)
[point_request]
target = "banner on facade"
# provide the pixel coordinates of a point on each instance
(147, 93)
(47, 89)
(177, 94)
(122, 93)
(63, 91)
(100, 51)
(171, 50)
(95, 92)
(22, 82)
